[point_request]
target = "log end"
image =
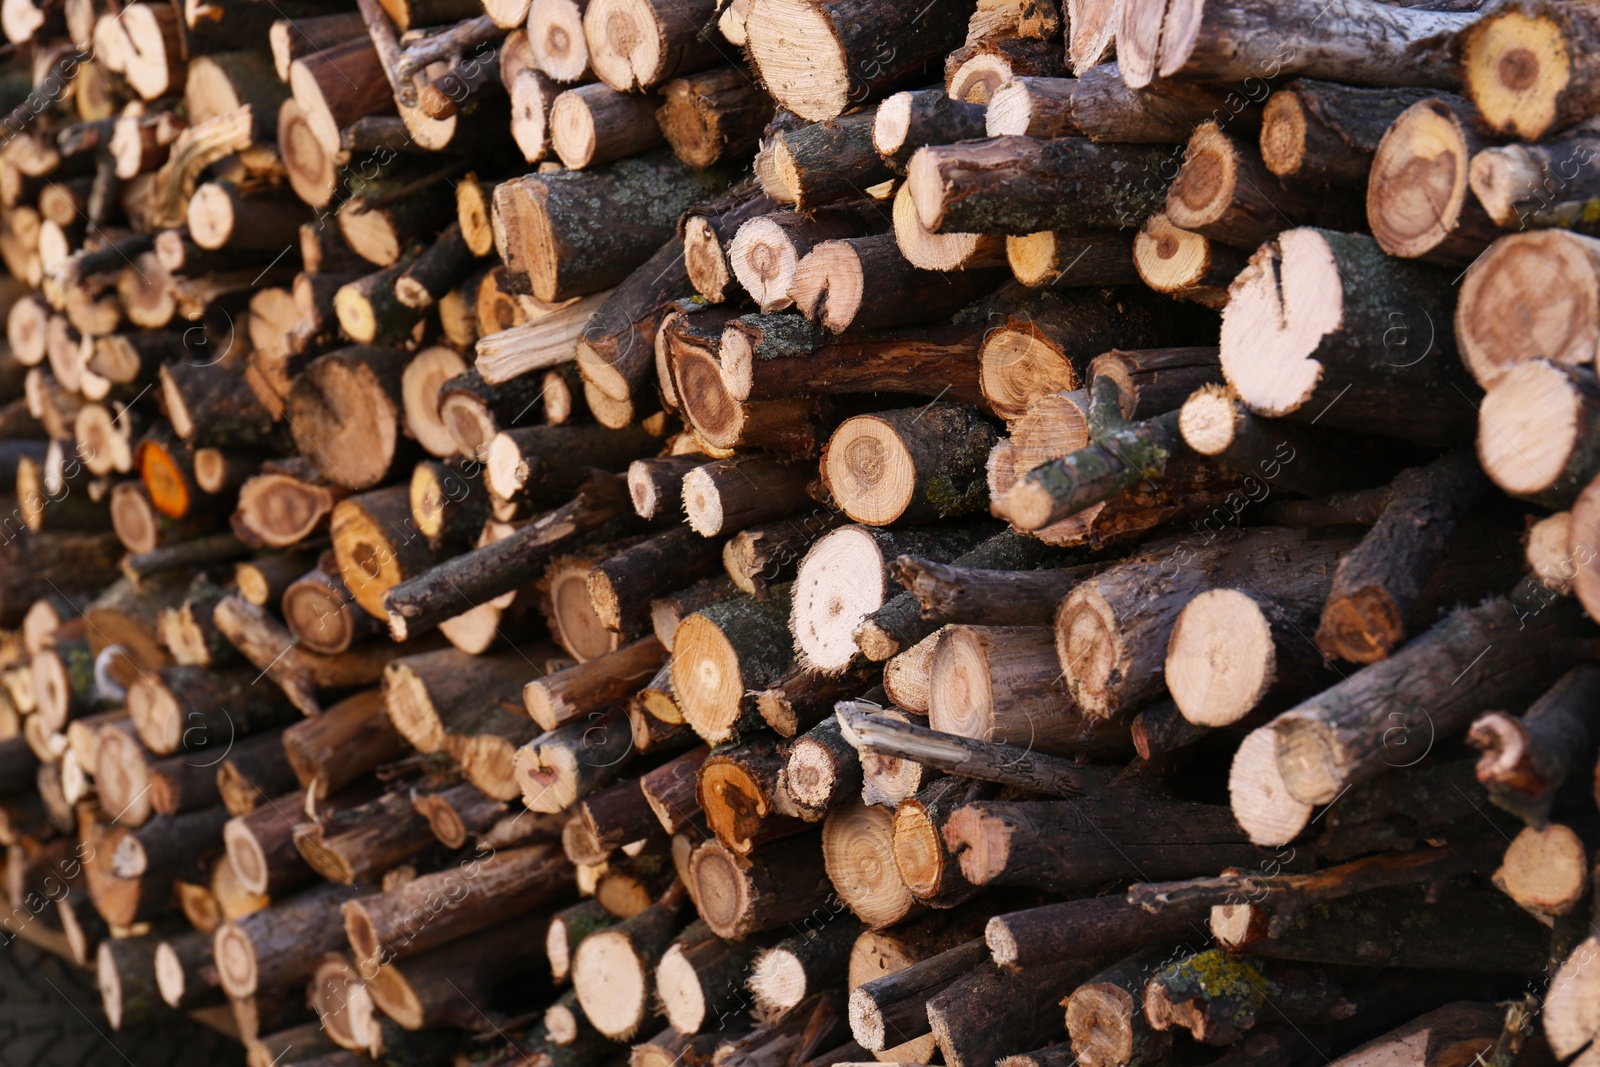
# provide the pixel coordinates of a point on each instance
(1361, 626)
(1262, 804)
(612, 984)
(1418, 185)
(1221, 658)
(1515, 66)
(1279, 309)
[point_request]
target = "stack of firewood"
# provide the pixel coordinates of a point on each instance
(781, 561)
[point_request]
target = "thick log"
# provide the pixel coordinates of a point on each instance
(739, 896)
(555, 247)
(846, 61)
(713, 116)
(260, 845)
(1322, 128)
(857, 852)
(562, 766)
(1023, 185)
(1062, 845)
(723, 655)
(700, 976)
(831, 286)
(1375, 44)
(1418, 202)
(192, 708)
(511, 882)
(1334, 740)
(1323, 290)
(612, 969)
(280, 944)
(1528, 69)
(822, 163)
(911, 465)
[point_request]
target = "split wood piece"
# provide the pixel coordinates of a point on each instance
(508, 883)
(1024, 185)
(988, 1011)
(270, 648)
(1525, 760)
(894, 1006)
(253, 772)
(344, 743)
(1063, 845)
(595, 124)
(1112, 632)
(1224, 192)
(765, 252)
(1535, 186)
(1271, 451)
(1379, 581)
(1407, 926)
(816, 64)
(280, 944)
(823, 163)
(1418, 202)
(537, 345)
(799, 966)
(1004, 684)
(439, 988)
(830, 285)
(820, 772)
(672, 790)
(912, 465)
(1099, 105)
(886, 735)
(844, 579)
(562, 766)
(1528, 70)
(1045, 345)
(189, 708)
(898, 624)
(358, 845)
(700, 977)
(804, 697)
(280, 508)
(503, 566)
(723, 655)
(617, 350)
(1329, 130)
(473, 412)
(907, 121)
(714, 116)
(1323, 337)
(953, 593)
(858, 851)
(729, 495)
(738, 792)
(706, 231)
(1234, 653)
(656, 484)
(1375, 44)
(930, 872)
(668, 612)
(376, 545)
(593, 687)
(612, 968)
(547, 235)
(1331, 741)
(739, 896)
(260, 845)
(320, 612)
(184, 974)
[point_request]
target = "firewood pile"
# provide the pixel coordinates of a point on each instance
(778, 534)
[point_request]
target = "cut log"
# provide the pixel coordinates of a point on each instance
(279, 945)
(858, 853)
(723, 655)
(612, 969)
(1527, 69)
(714, 116)
(344, 743)
(1418, 203)
(987, 1011)
(907, 121)
(1344, 335)
(1327, 129)
(729, 495)
(739, 896)
(912, 465)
